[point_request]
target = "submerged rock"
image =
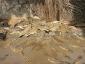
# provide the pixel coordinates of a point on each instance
(3, 35)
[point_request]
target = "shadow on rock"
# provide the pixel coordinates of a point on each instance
(78, 14)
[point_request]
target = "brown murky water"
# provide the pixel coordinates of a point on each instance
(42, 48)
(59, 45)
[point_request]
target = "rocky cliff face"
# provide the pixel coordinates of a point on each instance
(72, 10)
(16, 7)
(46, 9)
(69, 10)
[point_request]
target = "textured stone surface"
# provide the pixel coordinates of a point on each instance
(71, 10)
(16, 7)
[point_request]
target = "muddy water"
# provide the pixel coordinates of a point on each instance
(42, 48)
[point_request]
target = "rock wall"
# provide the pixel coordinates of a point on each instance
(72, 10)
(16, 7)
(68, 10)
(45, 9)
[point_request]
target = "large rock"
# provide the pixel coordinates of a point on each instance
(68, 10)
(16, 7)
(43, 8)
(72, 10)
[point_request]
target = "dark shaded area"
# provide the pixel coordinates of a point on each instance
(3, 36)
(74, 12)
(78, 11)
(78, 14)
